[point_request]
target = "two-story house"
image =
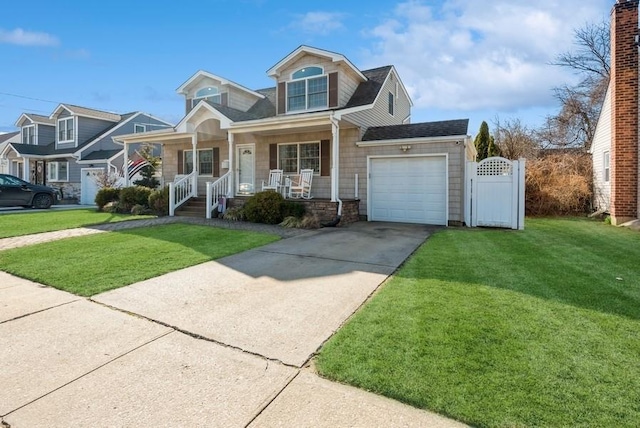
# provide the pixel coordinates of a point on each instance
(5, 139)
(351, 126)
(70, 147)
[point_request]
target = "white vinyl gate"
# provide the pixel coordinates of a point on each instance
(495, 187)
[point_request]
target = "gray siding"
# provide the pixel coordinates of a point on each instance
(379, 114)
(106, 143)
(46, 134)
(89, 128)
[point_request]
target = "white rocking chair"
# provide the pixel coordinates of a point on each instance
(301, 188)
(274, 182)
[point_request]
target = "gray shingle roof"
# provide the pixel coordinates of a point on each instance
(8, 135)
(445, 128)
(366, 92)
(84, 111)
(40, 118)
(101, 154)
(30, 149)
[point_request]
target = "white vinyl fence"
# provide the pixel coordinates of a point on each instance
(495, 193)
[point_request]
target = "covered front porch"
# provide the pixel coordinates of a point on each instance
(208, 156)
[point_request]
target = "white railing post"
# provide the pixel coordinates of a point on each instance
(172, 200)
(209, 202)
(356, 188)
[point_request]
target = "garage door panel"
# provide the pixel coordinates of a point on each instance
(411, 189)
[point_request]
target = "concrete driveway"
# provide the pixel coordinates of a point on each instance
(218, 344)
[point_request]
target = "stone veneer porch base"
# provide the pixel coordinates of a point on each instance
(323, 209)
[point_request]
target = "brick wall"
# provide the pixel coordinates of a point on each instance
(624, 112)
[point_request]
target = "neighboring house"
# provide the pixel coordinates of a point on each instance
(67, 149)
(6, 138)
(616, 170)
(350, 126)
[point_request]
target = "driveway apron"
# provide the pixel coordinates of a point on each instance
(280, 301)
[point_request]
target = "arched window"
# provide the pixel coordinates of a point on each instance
(307, 89)
(210, 93)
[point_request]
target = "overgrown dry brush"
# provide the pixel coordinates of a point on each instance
(559, 184)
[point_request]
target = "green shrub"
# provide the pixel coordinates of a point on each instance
(235, 214)
(264, 207)
(140, 210)
(159, 201)
(293, 209)
(106, 195)
(135, 195)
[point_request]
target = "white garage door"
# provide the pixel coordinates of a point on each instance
(88, 185)
(409, 189)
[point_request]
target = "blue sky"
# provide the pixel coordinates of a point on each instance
(458, 59)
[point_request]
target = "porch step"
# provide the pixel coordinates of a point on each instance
(194, 207)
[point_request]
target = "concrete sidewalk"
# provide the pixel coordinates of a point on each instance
(227, 349)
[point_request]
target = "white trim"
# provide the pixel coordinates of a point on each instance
(225, 122)
(183, 89)
(57, 178)
(306, 90)
(316, 173)
(237, 166)
(78, 153)
(90, 116)
(35, 134)
(606, 169)
(184, 160)
(74, 129)
(30, 119)
(430, 155)
(416, 140)
(391, 104)
(143, 126)
(300, 50)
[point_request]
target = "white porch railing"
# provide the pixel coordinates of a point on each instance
(180, 191)
(218, 188)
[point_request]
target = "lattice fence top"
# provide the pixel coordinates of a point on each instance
(495, 166)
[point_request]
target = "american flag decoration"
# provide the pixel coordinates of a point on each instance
(135, 163)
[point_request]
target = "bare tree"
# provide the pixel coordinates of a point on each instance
(514, 139)
(574, 125)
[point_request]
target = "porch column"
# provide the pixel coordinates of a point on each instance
(335, 161)
(125, 165)
(26, 174)
(194, 144)
(231, 179)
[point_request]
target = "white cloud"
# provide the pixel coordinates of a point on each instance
(27, 38)
(493, 54)
(321, 23)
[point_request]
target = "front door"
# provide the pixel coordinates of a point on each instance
(40, 168)
(245, 169)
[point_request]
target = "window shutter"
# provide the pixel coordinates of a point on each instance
(224, 99)
(333, 90)
(180, 162)
(273, 156)
(216, 162)
(282, 97)
(325, 158)
(188, 106)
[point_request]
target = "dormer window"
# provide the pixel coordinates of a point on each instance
(307, 90)
(29, 134)
(210, 93)
(65, 130)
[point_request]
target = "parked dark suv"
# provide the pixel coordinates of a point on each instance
(16, 192)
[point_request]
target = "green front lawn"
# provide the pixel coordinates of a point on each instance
(26, 223)
(92, 264)
(495, 328)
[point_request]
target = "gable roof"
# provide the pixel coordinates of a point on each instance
(445, 128)
(35, 118)
(262, 109)
(303, 50)
(87, 112)
(184, 88)
(8, 136)
(366, 92)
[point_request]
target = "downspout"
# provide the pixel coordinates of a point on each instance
(335, 168)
